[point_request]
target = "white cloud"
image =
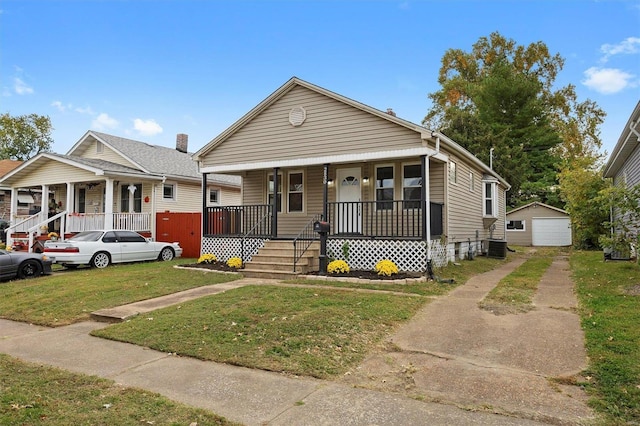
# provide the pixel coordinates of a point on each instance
(629, 46)
(104, 122)
(607, 80)
(147, 127)
(86, 110)
(21, 88)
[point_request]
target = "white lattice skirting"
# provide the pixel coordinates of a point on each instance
(226, 248)
(410, 256)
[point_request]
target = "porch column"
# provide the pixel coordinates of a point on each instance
(13, 211)
(205, 214)
(325, 210)
(44, 202)
(108, 203)
(69, 207)
(274, 207)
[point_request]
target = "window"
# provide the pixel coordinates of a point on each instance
(278, 192)
(131, 198)
(384, 188)
(169, 191)
(490, 199)
(412, 186)
(296, 192)
(214, 196)
(453, 174)
(82, 200)
(515, 225)
(99, 147)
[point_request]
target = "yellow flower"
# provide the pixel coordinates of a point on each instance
(386, 267)
(234, 262)
(207, 258)
(337, 267)
(52, 235)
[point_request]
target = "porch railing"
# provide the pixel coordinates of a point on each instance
(239, 221)
(77, 222)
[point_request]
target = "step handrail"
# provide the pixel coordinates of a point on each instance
(250, 231)
(308, 235)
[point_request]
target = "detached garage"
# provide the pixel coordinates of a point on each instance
(538, 224)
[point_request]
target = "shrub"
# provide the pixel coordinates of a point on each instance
(207, 258)
(338, 267)
(386, 267)
(234, 262)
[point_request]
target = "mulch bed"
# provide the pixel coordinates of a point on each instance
(368, 275)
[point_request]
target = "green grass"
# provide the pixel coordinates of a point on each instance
(312, 332)
(515, 292)
(610, 310)
(459, 272)
(31, 394)
(71, 295)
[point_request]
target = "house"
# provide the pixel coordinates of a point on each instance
(623, 165)
(26, 199)
(106, 181)
(307, 155)
(538, 224)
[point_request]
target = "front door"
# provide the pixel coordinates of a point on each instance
(348, 196)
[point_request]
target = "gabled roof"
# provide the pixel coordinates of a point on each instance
(534, 204)
(7, 165)
(294, 81)
(627, 143)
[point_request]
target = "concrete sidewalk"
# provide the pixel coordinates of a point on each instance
(462, 373)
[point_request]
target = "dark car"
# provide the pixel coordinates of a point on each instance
(22, 264)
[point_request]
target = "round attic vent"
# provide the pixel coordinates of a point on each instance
(297, 115)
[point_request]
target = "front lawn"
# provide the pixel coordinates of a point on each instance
(312, 332)
(69, 296)
(33, 394)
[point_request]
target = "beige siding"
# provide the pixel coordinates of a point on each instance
(464, 203)
(107, 154)
(53, 172)
(525, 238)
(331, 127)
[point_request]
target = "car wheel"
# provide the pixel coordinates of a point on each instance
(100, 260)
(29, 269)
(166, 254)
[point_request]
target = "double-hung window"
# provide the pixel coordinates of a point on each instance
(411, 186)
(214, 196)
(278, 192)
(384, 188)
(490, 197)
(296, 192)
(169, 191)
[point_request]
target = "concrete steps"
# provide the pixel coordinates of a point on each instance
(275, 261)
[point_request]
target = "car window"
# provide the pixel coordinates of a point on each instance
(130, 237)
(87, 236)
(109, 237)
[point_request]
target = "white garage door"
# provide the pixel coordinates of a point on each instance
(551, 231)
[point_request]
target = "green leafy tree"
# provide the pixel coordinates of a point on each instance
(501, 95)
(24, 136)
(624, 202)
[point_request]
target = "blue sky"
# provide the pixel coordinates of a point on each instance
(148, 70)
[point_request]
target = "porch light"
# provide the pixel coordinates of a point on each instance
(330, 182)
(365, 180)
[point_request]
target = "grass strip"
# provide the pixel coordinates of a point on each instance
(31, 394)
(311, 332)
(515, 292)
(609, 295)
(71, 295)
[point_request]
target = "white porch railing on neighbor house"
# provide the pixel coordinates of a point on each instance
(77, 222)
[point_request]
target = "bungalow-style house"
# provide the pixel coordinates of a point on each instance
(381, 187)
(623, 165)
(538, 224)
(106, 181)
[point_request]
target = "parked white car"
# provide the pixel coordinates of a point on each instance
(101, 248)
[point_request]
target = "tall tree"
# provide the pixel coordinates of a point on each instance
(500, 95)
(24, 136)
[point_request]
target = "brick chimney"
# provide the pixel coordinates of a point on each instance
(182, 142)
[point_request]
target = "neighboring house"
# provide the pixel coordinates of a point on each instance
(623, 165)
(106, 181)
(306, 153)
(27, 200)
(538, 224)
